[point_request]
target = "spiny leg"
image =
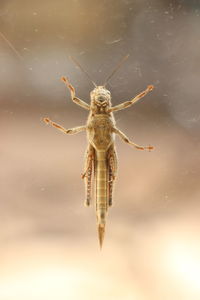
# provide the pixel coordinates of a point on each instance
(126, 140)
(132, 101)
(112, 164)
(87, 175)
(76, 100)
(67, 131)
(110, 186)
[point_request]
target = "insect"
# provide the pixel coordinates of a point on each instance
(101, 158)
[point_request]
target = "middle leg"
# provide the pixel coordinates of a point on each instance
(126, 140)
(67, 131)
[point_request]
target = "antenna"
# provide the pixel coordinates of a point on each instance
(116, 68)
(11, 45)
(81, 68)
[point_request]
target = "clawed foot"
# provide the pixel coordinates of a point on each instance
(46, 120)
(150, 87)
(83, 175)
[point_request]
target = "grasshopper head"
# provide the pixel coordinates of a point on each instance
(100, 96)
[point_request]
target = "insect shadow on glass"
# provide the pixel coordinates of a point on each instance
(101, 159)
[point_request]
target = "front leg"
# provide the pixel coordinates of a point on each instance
(73, 96)
(126, 140)
(67, 131)
(132, 101)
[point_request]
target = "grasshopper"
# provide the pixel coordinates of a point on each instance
(101, 157)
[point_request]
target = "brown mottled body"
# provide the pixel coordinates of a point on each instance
(101, 158)
(101, 137)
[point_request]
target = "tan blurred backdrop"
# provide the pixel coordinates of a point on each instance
(48, 240)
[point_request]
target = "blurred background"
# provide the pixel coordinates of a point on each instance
(48, 239)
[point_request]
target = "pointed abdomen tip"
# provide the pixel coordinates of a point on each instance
(101, 232)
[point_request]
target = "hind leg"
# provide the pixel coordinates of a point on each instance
(112, 172)
(87, 175)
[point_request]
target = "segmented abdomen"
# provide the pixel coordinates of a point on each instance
(101, 186)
